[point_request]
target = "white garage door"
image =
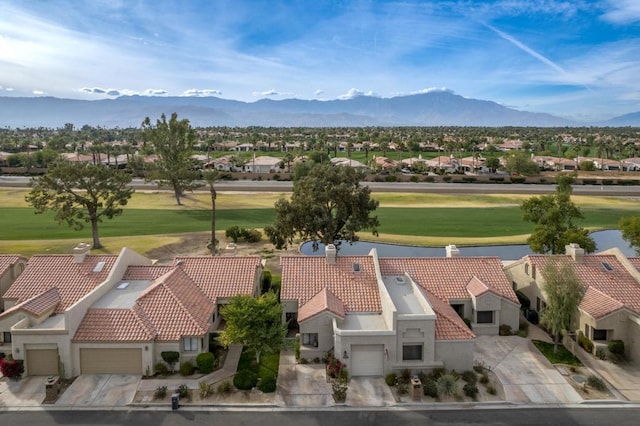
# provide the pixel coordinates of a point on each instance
(111, 361)
(42, 362)
(367, 360)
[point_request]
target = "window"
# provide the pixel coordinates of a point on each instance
(533, 271)
(484, 317)
(190, 344)
(538, 304)
(526, 268)
(459, 308)
(6, 337)
(586, 330)
(310, 339)
(599, 334)
(412, 353)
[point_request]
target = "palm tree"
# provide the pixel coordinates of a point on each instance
(211, 176)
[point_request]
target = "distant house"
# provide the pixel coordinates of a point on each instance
(379, 315)
(262, 164)
(347, 162)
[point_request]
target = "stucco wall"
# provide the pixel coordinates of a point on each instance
(323, 325)
(455, 355)
(510, 314)
(415, 332)
(9, 277)
(617, 322)
(37, 341)
(632, 342)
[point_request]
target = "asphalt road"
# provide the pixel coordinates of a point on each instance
(411, 187)
(406, 417)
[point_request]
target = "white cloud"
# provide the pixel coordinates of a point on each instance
(154, 92)
(318, 92)
(123, 92)
(9, 89)
(623, 12)
(431, 89)
(38, 92)
(201, 92)
(355, 93)
(272, 92)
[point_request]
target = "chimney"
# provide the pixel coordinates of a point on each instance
(331, 254)
(575, 251)
(80, 251)
(452, 250)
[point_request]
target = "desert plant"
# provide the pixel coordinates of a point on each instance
(206, 389)
(601, 353)
(484, 378)
(430, 388)
(470, 390)
(402, 387)
(344, 374)
(391, 379)
(224, 388)
(616, 347)
(160, 392)
(161, 368)
(186, 368)
(252, 235)
(447, 384)
(205, 362)
(405, 375)
(469, 376)
(436, 373)
(296, 350)
(268, 384)
(170, 357)
(245, 380)
(183, 391)
(505, 330)
(491, 390)
(596, 382)
(339, 387)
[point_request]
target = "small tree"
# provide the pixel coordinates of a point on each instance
(519, 162)
(630, 227)
(81, 193)
(564, 292)
(170, 357)
(255, 323)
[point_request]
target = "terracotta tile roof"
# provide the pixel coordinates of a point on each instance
(135, 272)
(615, 283)
(73, 280)
(113, 325)
(597, 304)
(449, 325)
(37, 305)
(635, 261)
(304, 276)
(222, 276)
(325, 300)
(477, 288)
(447, 277)
(6, 260)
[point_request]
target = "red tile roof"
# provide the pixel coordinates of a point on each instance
(598, 305)
(616, 284)
(324, 301)
(449, 325)
(303, 277)
(113, 325)
(73, 280)
(37, 305)
(447, 277)
(135, 272)
(222, 277)
(7, 260)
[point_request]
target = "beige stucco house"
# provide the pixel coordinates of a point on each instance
(610, 308)
(101, 314)
(11, 266)
(383, 314)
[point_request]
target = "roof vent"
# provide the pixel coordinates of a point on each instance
(80, 251)
(400, 280)
(607, 266)
(99, 267)
(122, 286)
(356, 267)
(331, 253)
(452, 251)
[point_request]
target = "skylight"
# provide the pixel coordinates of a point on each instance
(122, 286)
(356, 267)
(99, 266)
(607, 266)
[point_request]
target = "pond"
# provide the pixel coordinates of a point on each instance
(604, 240)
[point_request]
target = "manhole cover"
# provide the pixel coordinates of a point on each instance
(579, 378)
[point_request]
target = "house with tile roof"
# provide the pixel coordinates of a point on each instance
(106, 314)
(11, 266)
(386, 314)
(610, 308)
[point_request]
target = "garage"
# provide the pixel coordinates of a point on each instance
(110, 361)
(367, 360)
(42, 362)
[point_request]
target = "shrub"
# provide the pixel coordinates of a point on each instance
(429, 179)
(413, 178)
(391, 178)
(430, 388)
(616, 347)
(470, 390)
(467, 322)
(446, 178)
(205, 362)
(344, 374)
(224, 388)
(266, 281)
(436, 373)
(206, 389)
(391, 379)
(160, 392)
(523, 330)
(296, 350)
(170, 357)
(585, 342)
(339, 387)
(303, 361)
(601, 353)
(402, 387)
(405, 375)
(234, 233)
(11, 369)
(469, 376)
(183, 391)
(491, 390)
(161, 369)
(597, 383)
(268, 384)
(186, 368)
(496, 179)
(518, 179)
(589, 181)
(251, 235)
(447, 384)
(505, 330)
(484, 379)
(245, 380)
(316, 360)
(523, 299)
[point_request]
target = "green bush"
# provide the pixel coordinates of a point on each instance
(585, 342)
(523, 299)
(391, 379)
(505, 330)
(484, 378)
(616, 347)
(224, 388)
(206, 389)
(205, 362)
(518, 179)
(186, 368)
(391, 178)
(268, 384)
(469, 376)
(183, 391)
(245, 380)
(601, 353)
(447, 384)
(252, 235)
(597, 383)
(429, 179)
(405, 375)
(344, 374)
(266, 281)
(296, 350)
(430, 388)
(496, 179)
(161, 368)
(491, 390)
(160, 392)
(402, 387)
(436, 373)
(234, 233)
(470, 390)
(446, 178)
(170, 357)
(339, 387)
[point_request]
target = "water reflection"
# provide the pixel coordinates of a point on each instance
(604, 240)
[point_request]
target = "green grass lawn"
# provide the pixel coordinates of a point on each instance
(268, 364)
(563, 356)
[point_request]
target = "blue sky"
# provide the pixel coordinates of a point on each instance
(578, 59)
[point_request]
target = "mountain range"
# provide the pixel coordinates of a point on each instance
(427, 109)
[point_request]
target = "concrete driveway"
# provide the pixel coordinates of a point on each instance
(369, 392)
(302, 385)
(526, 375)
(28, 391)
(100, 390)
